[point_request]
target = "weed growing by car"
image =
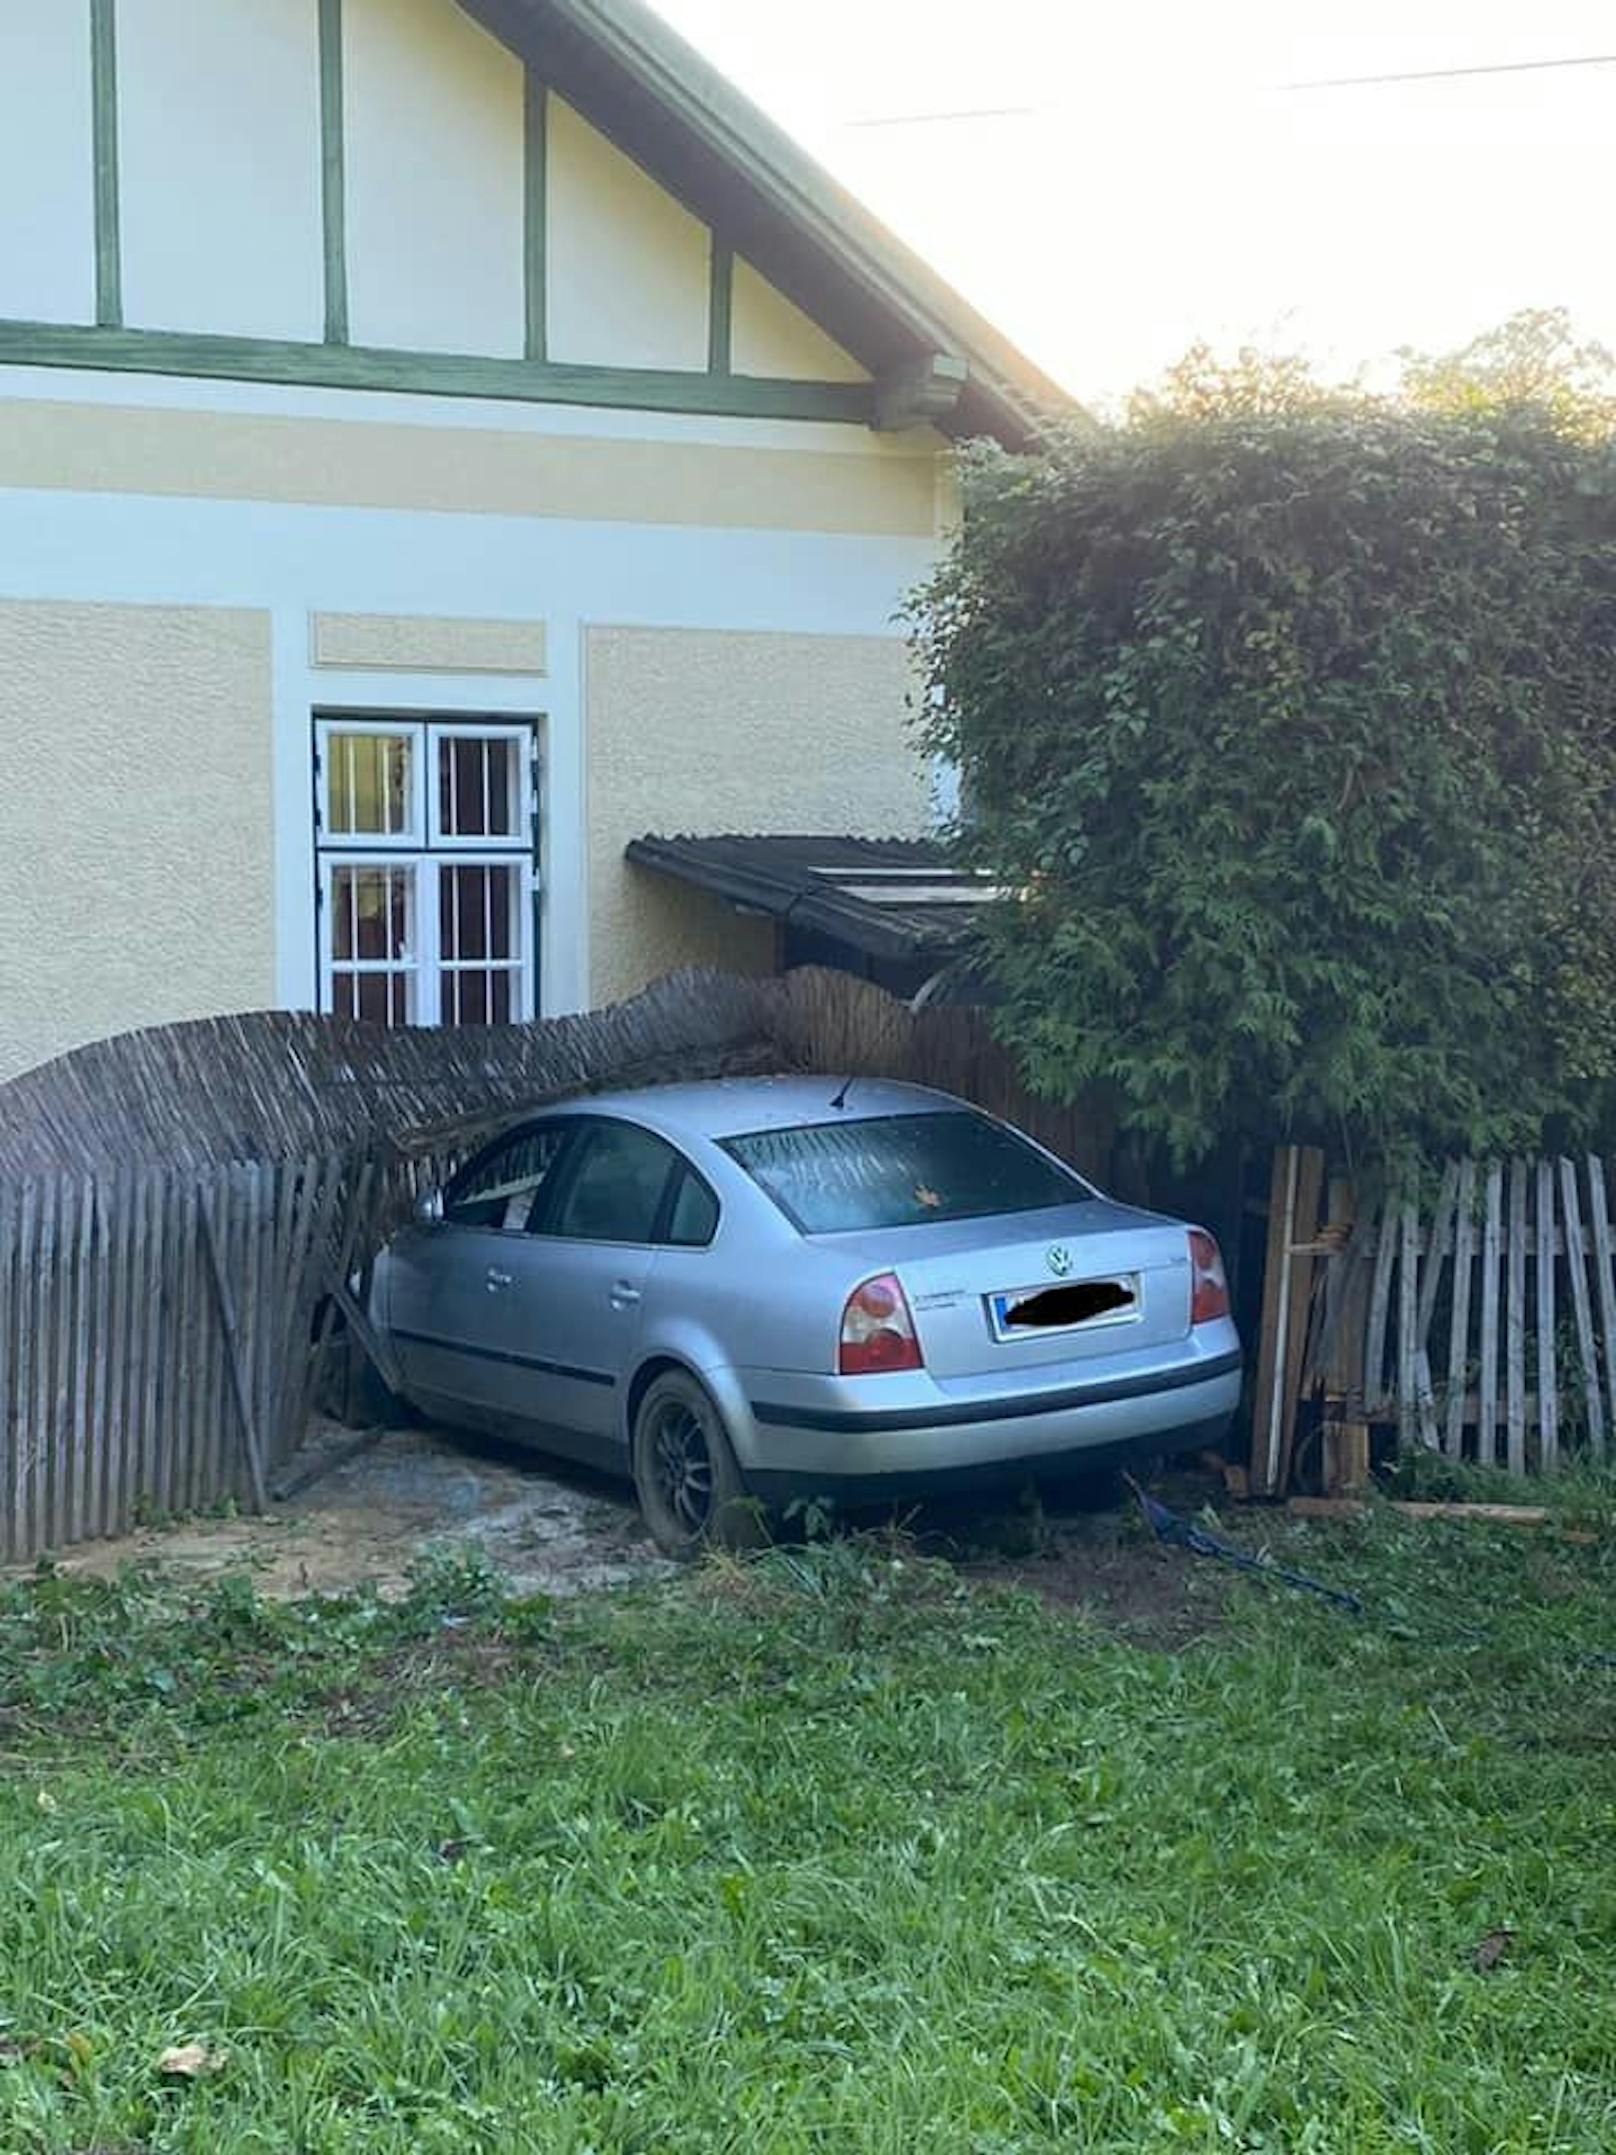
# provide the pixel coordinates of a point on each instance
(835, 1849)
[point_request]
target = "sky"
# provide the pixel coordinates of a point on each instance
(1145, 174)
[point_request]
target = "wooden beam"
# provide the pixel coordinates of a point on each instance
(333, 174)
(232, 1339)
(536, 213)
(921, 394)
(442, 374)
(721, 310)
(104, 124)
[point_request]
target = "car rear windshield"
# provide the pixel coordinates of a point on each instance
(901, 1171)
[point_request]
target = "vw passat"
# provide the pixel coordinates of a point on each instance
(752, 1290)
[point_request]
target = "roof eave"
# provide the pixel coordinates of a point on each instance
(1006, 395)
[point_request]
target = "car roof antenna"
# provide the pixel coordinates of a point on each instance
(840, 1100)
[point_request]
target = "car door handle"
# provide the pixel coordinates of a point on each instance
(624, 1296)
(497, 1280)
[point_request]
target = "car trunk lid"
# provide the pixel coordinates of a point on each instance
(1065, 1285)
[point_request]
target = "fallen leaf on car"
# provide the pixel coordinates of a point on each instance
(188, 2061)
(1492, 1950)
(927, 1198)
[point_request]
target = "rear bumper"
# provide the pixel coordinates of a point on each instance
(819, 1439)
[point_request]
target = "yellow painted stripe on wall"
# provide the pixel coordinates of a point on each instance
(423, 643)
(332, 463)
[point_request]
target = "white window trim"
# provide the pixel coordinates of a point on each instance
(423, 851)
(374, 729)
(521, 840)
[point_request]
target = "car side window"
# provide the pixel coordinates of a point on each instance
(502, 1188)
(616, 1189)
(693, 1222)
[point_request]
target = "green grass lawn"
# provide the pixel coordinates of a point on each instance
(833, 1852)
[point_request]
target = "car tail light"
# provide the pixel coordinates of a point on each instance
(1209, 1287)
(878, 1332)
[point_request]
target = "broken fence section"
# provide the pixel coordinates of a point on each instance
(162, 1334)
(1476, 1317)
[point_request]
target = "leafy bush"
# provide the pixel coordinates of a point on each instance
(1290, 717)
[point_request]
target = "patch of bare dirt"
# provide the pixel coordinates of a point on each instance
(547, 1529)
(1154, 1596)
(1108, 1564)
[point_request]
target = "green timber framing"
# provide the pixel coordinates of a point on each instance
(933, 361)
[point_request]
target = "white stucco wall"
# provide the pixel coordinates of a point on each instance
(771, 337)
(434, 129)
(136, 821)
(47, 188)
(628, 268)
(219, 161)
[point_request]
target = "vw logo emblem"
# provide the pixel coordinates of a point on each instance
(1059, 1260)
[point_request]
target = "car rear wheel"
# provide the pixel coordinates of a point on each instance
(690, 1488)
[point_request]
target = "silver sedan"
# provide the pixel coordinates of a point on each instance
(751, 1291)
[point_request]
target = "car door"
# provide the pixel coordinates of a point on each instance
(567, 1325)
(448, 1278)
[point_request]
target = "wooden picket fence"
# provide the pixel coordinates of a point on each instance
(1476, 1319)
(162, 1332)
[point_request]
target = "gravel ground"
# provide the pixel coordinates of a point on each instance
(549, 1529)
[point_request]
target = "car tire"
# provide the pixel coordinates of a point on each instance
(691, 1489)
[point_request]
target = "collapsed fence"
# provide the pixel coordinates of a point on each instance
(1476, 1320)
(187, 1214)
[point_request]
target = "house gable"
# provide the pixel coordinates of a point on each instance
(472, 197)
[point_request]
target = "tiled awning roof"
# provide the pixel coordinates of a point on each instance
(889, 897)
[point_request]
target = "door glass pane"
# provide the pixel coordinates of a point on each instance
(373, 966)
(500, 1189)
(617, 1192)
(372, 914)
(479, 786)
(479, 940)
(368, 792)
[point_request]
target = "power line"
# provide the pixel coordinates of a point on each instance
(1453, 74)
(934, 119)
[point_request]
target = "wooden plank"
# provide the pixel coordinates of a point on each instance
(1304, 1233)
(146, 1377)
(18, 1529)
(1408, 1276)
(1523, 1515)
(259, 1197)
(1515, 1323)
(1599, 1223)
(1375, 1392)
(82, 1462)
(1464, 1257)
(1577, 1267)
(183, 1496)
(1548, 1401)
(1491, 1253)
(1343, 1435)
(44, 1472)
(354, 1226)
(10, 1409)
(239, 1377)
(363, 1331)
(330, 1233)
(80, 1375)
(166, 1263)
(1269, 1403)
(220, 1447)
(1437, 1251)
(115, 1484)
